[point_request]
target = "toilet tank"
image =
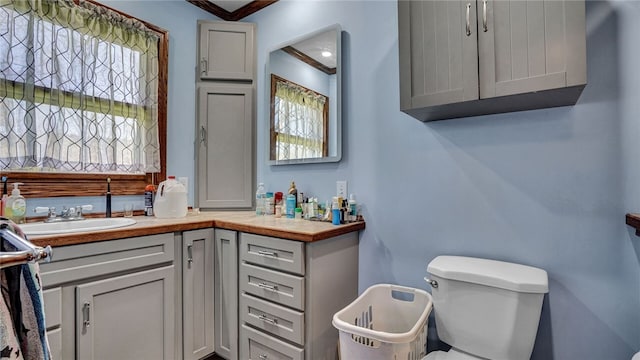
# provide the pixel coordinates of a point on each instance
(487, 308)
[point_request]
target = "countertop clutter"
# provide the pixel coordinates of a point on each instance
(245, 221)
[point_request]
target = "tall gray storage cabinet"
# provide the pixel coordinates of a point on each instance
(463, 58)
(226, 111)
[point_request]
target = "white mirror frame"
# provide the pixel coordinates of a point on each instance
(338, 121)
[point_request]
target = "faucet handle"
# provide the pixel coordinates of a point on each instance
(51, 211)
(79, 209)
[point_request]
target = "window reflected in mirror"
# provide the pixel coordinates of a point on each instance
(304, 78)
(300, 119)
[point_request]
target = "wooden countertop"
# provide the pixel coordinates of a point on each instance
(245, 221)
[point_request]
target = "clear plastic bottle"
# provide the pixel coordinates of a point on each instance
(260, 199)
(16, 206)
(353, 208)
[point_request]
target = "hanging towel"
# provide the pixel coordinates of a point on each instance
(22, 324)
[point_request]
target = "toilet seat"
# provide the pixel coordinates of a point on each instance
(636, 356)
(452, 354)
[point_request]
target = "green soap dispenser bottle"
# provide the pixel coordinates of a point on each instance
(16, 206)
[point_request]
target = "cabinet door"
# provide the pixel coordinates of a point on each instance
(529, 46)
(226, 50)
(197, 293)
(127, 317)
(438, 52)
(225, 146)
(226, 294)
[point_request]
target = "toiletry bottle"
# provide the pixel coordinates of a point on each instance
(148, 199)
(291, 206)
(293, 191)
(335, 213)
(5, 194)
(268, 204)
(260, 200)
(353, 208)
(16, 206)
(278, 200)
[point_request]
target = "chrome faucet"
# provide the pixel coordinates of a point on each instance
(67, 214)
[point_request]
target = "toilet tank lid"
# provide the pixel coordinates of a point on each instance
(500, 274)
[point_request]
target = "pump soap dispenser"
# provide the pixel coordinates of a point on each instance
(16, 206)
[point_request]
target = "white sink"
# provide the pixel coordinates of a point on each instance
(66, 227)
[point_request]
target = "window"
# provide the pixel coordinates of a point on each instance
(82, 95)
(299, 121)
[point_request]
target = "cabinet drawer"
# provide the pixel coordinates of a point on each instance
(273, 285)
(77, 262)
(259, 346)
(279, 254)
(52, 307)
(275, 319)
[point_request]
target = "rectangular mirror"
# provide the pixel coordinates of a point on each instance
(304, 78)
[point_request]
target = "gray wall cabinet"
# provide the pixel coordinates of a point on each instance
(225, 146)
(463, 58)
(225, 152)
(226, 50)
(198, 293)
(289, 292)
(226, 293)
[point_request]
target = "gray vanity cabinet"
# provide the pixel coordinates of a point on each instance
(198, 293)
(226, 112)
(288, 293)
(226, 293)
(462, 58)
(226, 50)
(126, 317)
(52, 299)
(112, 299)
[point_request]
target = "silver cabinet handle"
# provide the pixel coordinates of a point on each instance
(484, 16)
(204, 66)
(268, 287)
(262, 357)
(267, 253)
(86, 313)
(203, 135)
(468, 19)
(190, 255)
(267, 319)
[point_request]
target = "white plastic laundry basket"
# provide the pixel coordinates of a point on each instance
(386, 322)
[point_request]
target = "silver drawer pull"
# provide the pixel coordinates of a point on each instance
(268, 287)
(269, 320)
(267, 253)
(263, 357)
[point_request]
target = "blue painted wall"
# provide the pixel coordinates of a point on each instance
(547, 188)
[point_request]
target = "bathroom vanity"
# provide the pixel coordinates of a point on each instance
(226, 282)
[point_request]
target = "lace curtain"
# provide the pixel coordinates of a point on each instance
(299, 121)
(78, 89)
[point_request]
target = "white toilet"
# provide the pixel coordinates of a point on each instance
(485, 309)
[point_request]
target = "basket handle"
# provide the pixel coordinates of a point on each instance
(402, 293)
